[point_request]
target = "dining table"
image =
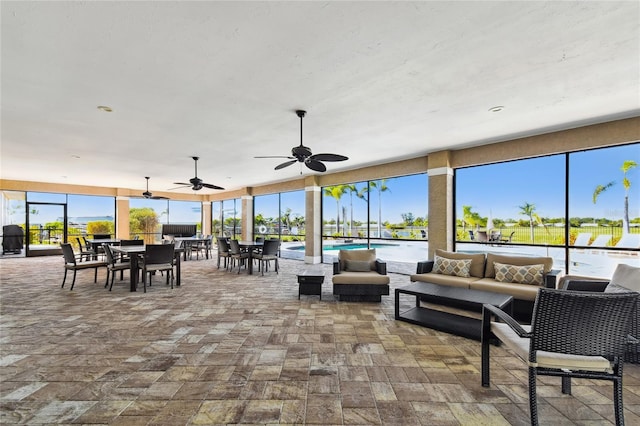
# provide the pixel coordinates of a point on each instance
(187, 242)
(135, 253)
(98, 242)
(250, 247)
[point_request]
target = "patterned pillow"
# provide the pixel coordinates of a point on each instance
(455, 267)
(528, 274)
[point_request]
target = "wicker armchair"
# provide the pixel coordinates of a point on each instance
(573, 334)
(629, 278)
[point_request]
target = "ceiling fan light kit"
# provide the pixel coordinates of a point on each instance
(304, 155)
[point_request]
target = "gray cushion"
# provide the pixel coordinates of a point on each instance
(357, 266)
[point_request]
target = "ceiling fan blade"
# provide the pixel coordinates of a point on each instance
(182, 183)
(210, 186)
(158, 197)
(285, 164)
(328, 157)
(315, 165)
(274, 156)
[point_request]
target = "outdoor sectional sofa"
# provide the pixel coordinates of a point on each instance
(518, 276)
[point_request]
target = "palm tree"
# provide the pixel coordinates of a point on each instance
(351, 188)
(336, 192)
(626, 183)
(380, 186)
(528, 210)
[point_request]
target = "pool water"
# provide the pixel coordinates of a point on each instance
(352, 246)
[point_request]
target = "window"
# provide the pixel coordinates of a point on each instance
(389, 215)
(89, 215)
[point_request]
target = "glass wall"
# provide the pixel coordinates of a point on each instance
(89, 215)
(280, 216)
(574, 207)
(390, 215)
(227, 218)
(146, 218)
(13, 214)
(185, 212)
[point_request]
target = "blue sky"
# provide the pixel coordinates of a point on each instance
(500, 188)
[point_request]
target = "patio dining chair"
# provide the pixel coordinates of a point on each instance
(158, 258)
(223, 251)
(269, 253)
(572, 335)
(71, 264)
(114, 265)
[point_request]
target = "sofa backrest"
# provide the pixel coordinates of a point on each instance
(366, 255)
(477, 260)
(490, 271)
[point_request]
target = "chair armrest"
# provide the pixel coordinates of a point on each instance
(585, 285)
(424, 267)
(336, 268)
(381, 267)
(488, 310)
(552, 277)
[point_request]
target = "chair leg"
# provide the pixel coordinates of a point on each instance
(95, 275)
(112, 278)
(106, 283)
(533, 403)
(64, 278)
(74, 280)
(617, 395)
(566, 385)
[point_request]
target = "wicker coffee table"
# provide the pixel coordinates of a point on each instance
(449, 296)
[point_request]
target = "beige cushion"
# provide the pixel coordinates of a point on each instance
(477, 261)
(368, 255)
(625, 278)
(357, 266)
(490, 271)
(456, 267)
(547, 359)
(527, 274)
(355, 278)
(450, 280)
(518, 291)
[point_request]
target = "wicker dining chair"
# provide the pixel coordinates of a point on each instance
(572, 335)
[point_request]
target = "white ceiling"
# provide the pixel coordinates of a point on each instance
(221, 80)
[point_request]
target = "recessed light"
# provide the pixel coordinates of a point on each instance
(496, 108)
(105, 108)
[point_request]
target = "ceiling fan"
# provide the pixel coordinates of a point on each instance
(195, 182)
(146, 194)
(303, 154)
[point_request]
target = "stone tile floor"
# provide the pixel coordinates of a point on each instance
(236, 349)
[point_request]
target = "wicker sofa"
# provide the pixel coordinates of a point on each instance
(359, 276)
(481, 275)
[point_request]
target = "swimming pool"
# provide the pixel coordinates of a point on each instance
(346, 246)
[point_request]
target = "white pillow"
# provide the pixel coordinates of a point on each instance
(625, 278)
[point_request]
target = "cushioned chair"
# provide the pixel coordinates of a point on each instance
(158, 257)
(573, 335)
(71, 264)
(624, 278)
(269, 253)
(114, 265)
(237, 254)
(223, 251)
(85, 252)
(358, 276)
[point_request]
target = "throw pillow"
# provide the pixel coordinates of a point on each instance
(625, 278)
(357, 266)
(455, 267)
(528, 274)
